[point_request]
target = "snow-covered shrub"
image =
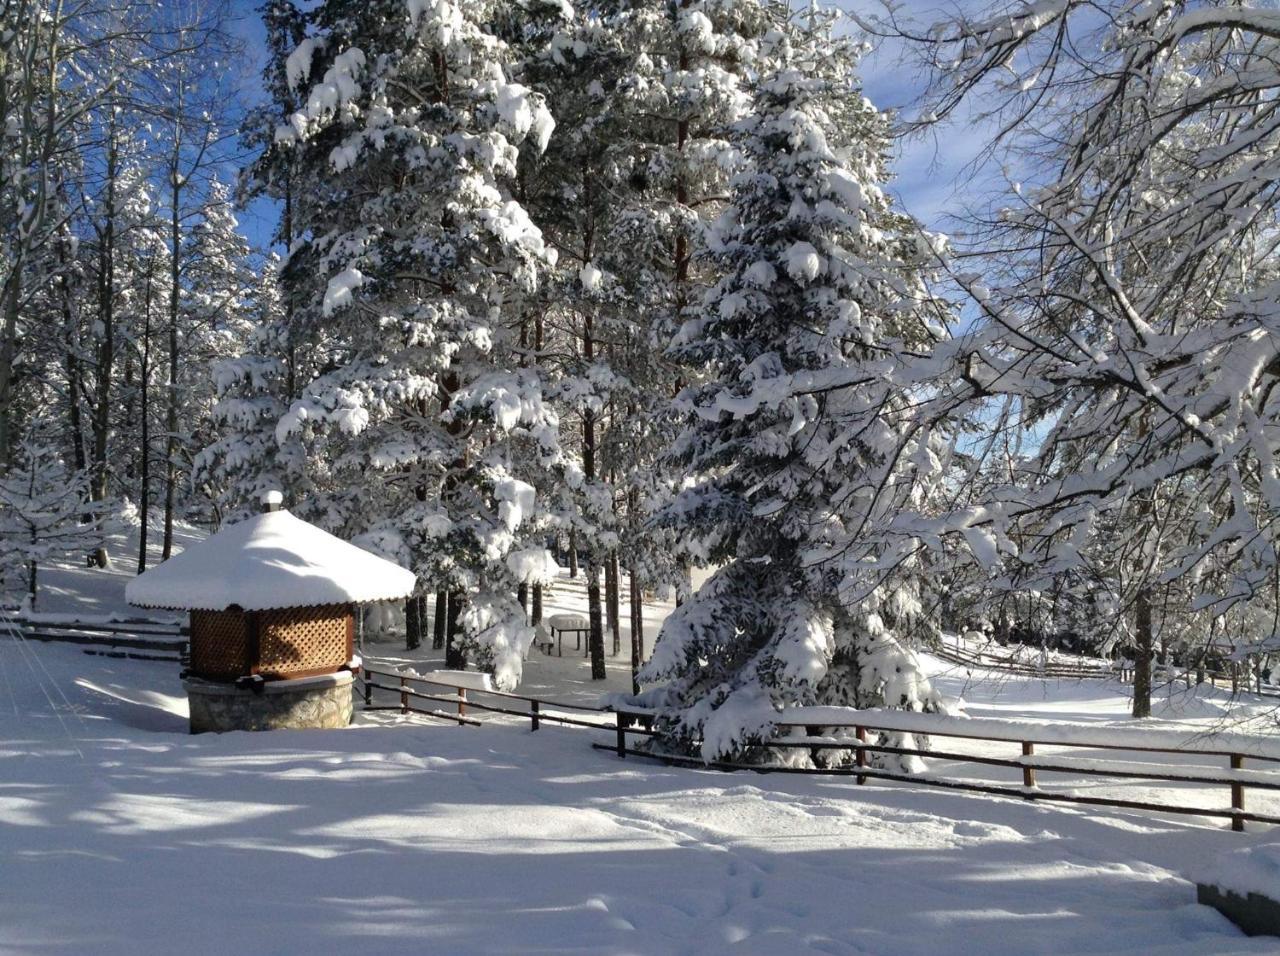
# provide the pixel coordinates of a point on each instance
(45, 512)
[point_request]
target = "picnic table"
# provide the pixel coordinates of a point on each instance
(574, 624)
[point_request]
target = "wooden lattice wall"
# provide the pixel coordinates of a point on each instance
(219, 644)
(287, 642)
(303, 640)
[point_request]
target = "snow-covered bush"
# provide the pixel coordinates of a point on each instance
(45, 512)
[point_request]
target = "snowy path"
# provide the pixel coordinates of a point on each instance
(495, 840)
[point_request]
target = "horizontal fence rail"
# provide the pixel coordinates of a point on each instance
(1027, 736)
(536, 710)
(1022, 665)
(1024, 661)
(866, 733)
(136, 640)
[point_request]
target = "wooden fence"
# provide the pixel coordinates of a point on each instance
(535, 709)
(871, 732)
(1023, 665)
(137, 640)
(1007, 659)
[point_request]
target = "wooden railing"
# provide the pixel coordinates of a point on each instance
(816, 729)
(1008, 660)
(1236, 749)
(1014, 663)
(536, 710)
(137, 640)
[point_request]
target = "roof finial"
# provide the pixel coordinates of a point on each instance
(271, 500)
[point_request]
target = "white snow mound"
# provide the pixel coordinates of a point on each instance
(1252, 869)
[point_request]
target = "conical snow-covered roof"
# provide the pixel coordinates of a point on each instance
(272, 560)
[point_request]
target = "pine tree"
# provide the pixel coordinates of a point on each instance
(416, 265)
(251, 396)
(644, 93)
(216, 321)
(795, 422)
(273, 172)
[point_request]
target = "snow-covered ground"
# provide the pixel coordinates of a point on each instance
(119, 833)
(69, 589)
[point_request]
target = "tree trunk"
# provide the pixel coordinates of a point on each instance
(686, 583)
(291, 348)
(412, 628)
(522, 595)
(595, 637)
(613, 599)
(171, 399)
(454, 658)
(637, 629)
(1002, 626)
(573, 554)
(441, 621)
(1142, 654)
(8, 357)
(539, 332)
(144, 483)
(71, 362)
(106, 345)
(130, 413)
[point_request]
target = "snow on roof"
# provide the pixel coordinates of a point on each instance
(272, 560)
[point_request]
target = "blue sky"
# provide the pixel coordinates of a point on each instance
(931, 175)
(258, 220)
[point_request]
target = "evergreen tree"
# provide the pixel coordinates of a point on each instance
(416, 259)
(644, 93)
(217, 320)
(796, 422)
(273, 172)
(251, 396)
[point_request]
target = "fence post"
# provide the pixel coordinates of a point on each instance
(533, 714)
(462, 701)
(1237, 793)
(1028, 773)
(861, 733)
(404, 695)
(815, 753)
(622, 734)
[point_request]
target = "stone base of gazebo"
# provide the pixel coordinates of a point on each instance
(309, 702)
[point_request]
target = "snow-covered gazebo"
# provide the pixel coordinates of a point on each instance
(272, 602)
